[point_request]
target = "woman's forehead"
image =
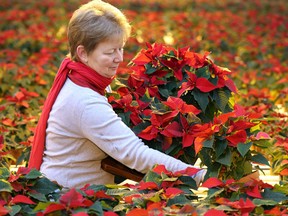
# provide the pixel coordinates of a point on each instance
(116, 39)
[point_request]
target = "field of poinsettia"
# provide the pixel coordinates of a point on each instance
(240, 46)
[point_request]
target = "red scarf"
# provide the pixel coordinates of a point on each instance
(81, 75)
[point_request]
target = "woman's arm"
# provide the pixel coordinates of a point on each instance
(101, 125)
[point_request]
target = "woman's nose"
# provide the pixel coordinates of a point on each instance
(119, 56)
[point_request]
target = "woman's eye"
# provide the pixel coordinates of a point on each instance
(114, 50)
(110, 52)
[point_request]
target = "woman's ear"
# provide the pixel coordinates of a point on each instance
(82, 54)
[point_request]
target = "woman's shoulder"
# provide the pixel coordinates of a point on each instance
(82, 93)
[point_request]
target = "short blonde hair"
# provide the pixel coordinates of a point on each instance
(93, 23)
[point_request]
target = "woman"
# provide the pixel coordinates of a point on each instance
(78, 128)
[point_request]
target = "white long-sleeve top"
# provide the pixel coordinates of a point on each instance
(82, 130)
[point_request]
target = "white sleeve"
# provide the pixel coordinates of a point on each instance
(101, 125)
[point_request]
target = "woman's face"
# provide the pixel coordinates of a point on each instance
(106, 57)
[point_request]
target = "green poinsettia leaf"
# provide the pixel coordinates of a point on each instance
(213, 192)
(33, 174)
(189, 155)
(246, 168)
(214, 169)
(164, 92)
(45, 186)
(221, 98)
(42, 206)
(202, 98)
(125, 117)
(116, 192)
(169, 89)
(269, 194)
(261, 202)
(150, 69)
(152, 177)
(243, 148)
(4, 173)
(174, 148)
(205, 156)
(220, 147)
(259, 158)
(281, 189)
(214, 80)
(23, 157)
(140, 127)
(171, 54)
(14, 210)
(146, 98)
(96, 209)
(155, 198)
(5, 186)
(38, 196)
(208, 143)
(203, 72)
(187, 180)
(225, 158)
(225, 208)
(159, 109)
(121, 207)
(178, 200)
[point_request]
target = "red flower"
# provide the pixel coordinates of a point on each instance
(201, 83)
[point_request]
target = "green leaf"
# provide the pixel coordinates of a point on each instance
(225, 208)
(150, 69)
(155, 198)
(225, 158)
(125, 117)
(4, 173)
(178, 200)
(42, 206)
(158, 107)
(220, 147)
(246, 168)
(213, 192)
(269, 194)
(201, 98)
(187, 180)
(33, 174)
(221, 98)
(38, 196)
(5, 186)
(96, 208)
(203, 72)
(243, 148)
(15, 209)
(205, 156)
(164, 92)
(209, 143)
(96, 187)
(173, 149)
(138, 128)
(152, 177)
(259, 158)
(45, 186)
(189, 155)
(116, 192)
(214, 80)
(281, 189)
(121, 207)
(260, 202)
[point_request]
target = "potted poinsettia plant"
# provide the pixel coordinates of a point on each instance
(180, 102)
